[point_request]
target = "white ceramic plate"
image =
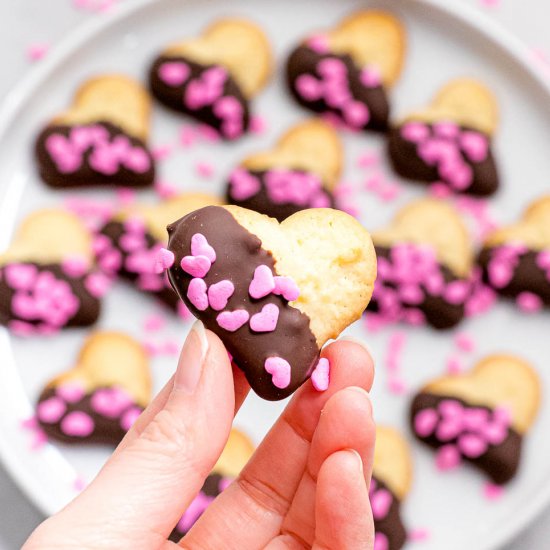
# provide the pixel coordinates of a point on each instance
(444, 42)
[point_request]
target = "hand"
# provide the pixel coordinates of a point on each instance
(305, 487)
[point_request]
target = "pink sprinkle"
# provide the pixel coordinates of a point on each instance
(196, 266)
(97, 284)
(440, 190)
(71, 392)
(280, 371)
(204, 169)
(77, 424)
(207, 133)
(51, 410)
(197, 294)
(374, 183)
(219, 294)
(258, 124)
(183, 311)
(29, 423)
(39, 440)
(171, 347)
(165, 260)
(493, 492)
(529, 302)
(262, 282)
(37, 51)
(266, 319)
(321, 375)
(201, 247)
(465, 342)
(162, 152)
(79, 484)
(233, 320)
(418, 535)
(368, 159)
(389, 192)
(447, 458)
(454, 366)
(154, 322)
(188, 136)
(396, 386)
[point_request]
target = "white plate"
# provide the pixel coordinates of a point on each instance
(444, 41)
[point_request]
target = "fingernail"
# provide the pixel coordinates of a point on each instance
(358, 342)
(357, 459)
(191, 359)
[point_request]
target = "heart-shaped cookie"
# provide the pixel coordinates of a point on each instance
(98, 399)
(480, 416)
(47, 280)
(300, 172)
(424, 266)
(101, 139)
(516, 258)
(235, 455)
(345, 72)
(287, 288)
(128, 246)
(390, 484)
(213, 77)
(450, 141)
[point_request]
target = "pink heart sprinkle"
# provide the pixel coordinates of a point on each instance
(321, 375)
(51, 410)
(309, 87)
(243, 185)
(425, 422)
(529, 302)
(174, 73)
(71, 392)
(265, 320)
(471, 445)
(200, 247)
(280, 371)
(447, 458)
(97, 284)
(381, 502)
(415, 132)
(77, 424)
(319, 43)
(475, 145)
(381, 542)
(233, 320)
(21, 276)
(165, 260)
(196, 292)
(370, 77)
(197, 266)
(492, 491)
(262, 283)
(219, 294)
(129, 417)
(287, 288)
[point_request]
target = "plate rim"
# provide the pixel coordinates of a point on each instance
(12, 103)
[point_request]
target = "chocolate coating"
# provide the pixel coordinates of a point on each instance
(173, 96)
(86, 176)
(238, 254)
(304, 60)
(527, 277)
(391, 525)
(500, 462)
(406, 162)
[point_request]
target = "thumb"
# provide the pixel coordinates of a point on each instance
(142, 491)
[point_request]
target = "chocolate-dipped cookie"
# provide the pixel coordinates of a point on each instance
(480, 417)
(346, 72)
(236, 454)
(449, 142)
(424, 266)
(214, 77)
(299, 172)
(273, 293)
(516, 258)
(47, 277)
(390, 484)
(101, 139)
(128, 245)
(98, 399)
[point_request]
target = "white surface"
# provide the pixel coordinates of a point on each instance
(522, 117)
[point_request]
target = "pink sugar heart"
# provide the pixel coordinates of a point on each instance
(232, 128)
(415, 132)
(370, 77)
(320, 377)
(494, 433)
(262, 283)
(228, 107)
(286, 287)
(129, 417)
(499, 273)
(196, 292)
(200, 247)
(110, 402)
(51, 410)
(266, 319)
(318, 43)
(97, 284)
(174, 73)
(543, 259)
(425, 422)
(471, 445)
(137, 160)
(280, 371)
(474, 145)
(21, 276)
(332, 68)
(215, 75)
(77, 424)
(474, 419)
(165, 260)
(74, 266)
(447, 458)
(356, 114)
(219, 294)
(196, 95)
(197, 266)
(381, 502)
(450, 408)
(529, 302)
(233, 320)
(445, 129)
(449, 429)
(71, 392)
(243, 184)
(309, 87)
(457, 292)
(381, 542)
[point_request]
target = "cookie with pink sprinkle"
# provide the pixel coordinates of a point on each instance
(346, 72)
(480, 417)
(450, 141)
(101, 140)
(299, 172)
(425, 262)
(516, 258)
(101, 396)
(48, 281)
(213, 77)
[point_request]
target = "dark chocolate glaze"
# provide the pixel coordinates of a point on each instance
(304, 60)
(114, 230)
(107, 431)
(238, 254)
(89, 306)
(172, 96)
(500, 462)
(406, 162)
(86, 176)
(439, 313)
(211, 488)
(528, 276)
(392, 525)
(263, 204)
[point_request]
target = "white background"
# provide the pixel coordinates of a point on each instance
(24, 22)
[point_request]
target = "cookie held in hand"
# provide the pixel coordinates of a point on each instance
(481, 416)
(128, 245)
(47, 279)
(274, 293)
(98, 399)
(449, 142)
(213, 77)
(424, 266)
(299, 172)
(390, 484)
(516, 258)
(346, 72)
(101, 139)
